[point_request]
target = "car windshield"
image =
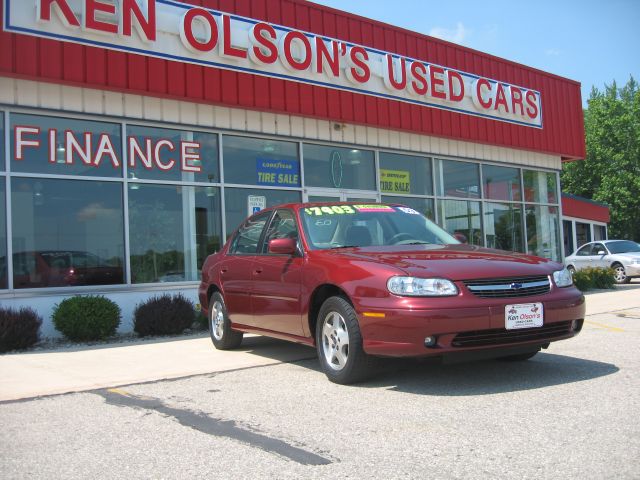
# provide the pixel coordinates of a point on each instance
(331, 226)
(623, 246)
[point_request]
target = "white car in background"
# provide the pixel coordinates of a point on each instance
(623, 256)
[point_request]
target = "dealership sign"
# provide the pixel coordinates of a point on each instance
(186, 33)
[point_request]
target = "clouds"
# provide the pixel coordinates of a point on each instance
(552, 52)
(456, 35)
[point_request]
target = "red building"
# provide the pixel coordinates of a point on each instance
(137, 135)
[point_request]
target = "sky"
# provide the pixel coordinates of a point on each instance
(591, 41)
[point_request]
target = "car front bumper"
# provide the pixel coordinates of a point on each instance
(401, 332)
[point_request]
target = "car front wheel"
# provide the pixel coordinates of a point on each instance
(620, 274)
(222, 336)
(339, 343)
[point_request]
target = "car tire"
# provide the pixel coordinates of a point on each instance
(572, 271)
(222, 335)
(520, 357)
(339, 343)
(620, 274)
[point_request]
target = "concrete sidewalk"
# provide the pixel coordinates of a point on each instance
(32, 374)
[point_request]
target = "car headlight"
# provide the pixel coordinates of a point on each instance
(421, 287)
(563, 278)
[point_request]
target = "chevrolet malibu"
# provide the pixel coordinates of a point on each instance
(362, 281)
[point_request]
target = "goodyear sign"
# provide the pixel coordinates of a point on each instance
(277, 173)
(395, 181)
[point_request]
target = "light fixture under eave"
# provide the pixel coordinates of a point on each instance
(133, 186)
(61, 153)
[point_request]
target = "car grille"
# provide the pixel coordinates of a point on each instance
(511, 287)
(501, 336)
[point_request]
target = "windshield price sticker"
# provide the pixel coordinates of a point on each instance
(329, 210)
(523, 315)
(374, 208)
(408, 210)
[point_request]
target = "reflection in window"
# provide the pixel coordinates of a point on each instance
(501, 183)
(503, 226)
(65, 146)
(172, 229)
(543, 231)
(3, 237)
(540, 187)
(66, 233)
(336, 167)
(248, 236)
(166, 154)
(404, 174)
(237, 203)
(283, 225)
(461, 219)
(457, 179)
(422, 205)
(259, 161)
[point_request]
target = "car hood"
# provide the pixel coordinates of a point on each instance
(455, 262)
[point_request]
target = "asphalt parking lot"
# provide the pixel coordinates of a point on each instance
(571, 412)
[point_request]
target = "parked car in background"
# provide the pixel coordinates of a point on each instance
(623, 256)
(62, 268)
(359, 281)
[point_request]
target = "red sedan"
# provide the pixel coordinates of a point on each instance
(362, 281)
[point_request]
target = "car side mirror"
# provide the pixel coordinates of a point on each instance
(283, 246)
(601, 252)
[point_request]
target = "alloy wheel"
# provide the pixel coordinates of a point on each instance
(335, 341)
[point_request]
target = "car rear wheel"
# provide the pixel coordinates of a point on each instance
(339, 343)
(222, 336)
(619, 274)
(521, 357)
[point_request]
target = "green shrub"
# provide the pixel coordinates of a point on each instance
(594, 278)
(86, 318)
(163, 315)
(18, 328)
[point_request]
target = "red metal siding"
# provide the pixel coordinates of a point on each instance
(563, 133)
(586, 209)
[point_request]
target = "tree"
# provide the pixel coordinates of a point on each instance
(611, 171)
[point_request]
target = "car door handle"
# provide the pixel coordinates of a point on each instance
(224, 270)
(257, 271)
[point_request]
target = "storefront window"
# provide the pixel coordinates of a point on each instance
(422, 205)
(172, 229)
(599, 232)
(503, 226)
(461, 219)
(457, 179)
(2, 160)
(165, 154)
(3, 237)
(583, 233)
(259, 161)
(240, 203)
(501, 183)
(540, 187)
(543, 231)
(66, 233)
(65, 146)
(404, 174)
(569, 247)
(336, 167)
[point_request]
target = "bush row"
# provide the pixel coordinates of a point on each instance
(593, 278)
(94, 317)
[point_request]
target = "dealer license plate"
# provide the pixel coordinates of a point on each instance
(523, 315)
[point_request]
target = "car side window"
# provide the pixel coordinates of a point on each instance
(584, 251)
(597, 247)
(248, 235)
(283, 225)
